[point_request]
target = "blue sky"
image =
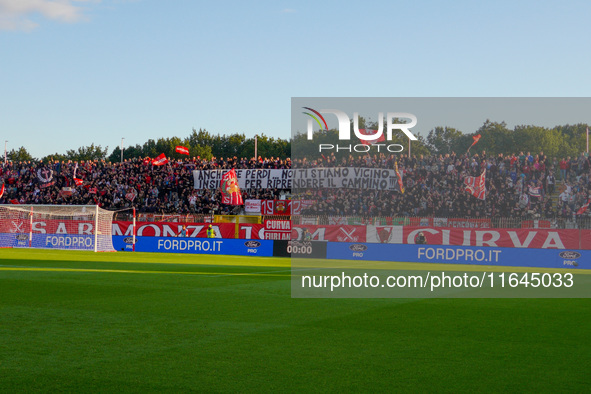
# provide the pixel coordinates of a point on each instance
(76, 72)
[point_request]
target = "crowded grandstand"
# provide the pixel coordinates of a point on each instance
(519, 185)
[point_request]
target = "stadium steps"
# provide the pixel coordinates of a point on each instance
(554, 196)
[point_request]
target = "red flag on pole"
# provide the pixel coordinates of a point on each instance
(381, 138)
(182, 150)
(475, 185)
(230, 190)
(2, 191)
(476, 138)
(160, 160)
(78, 181)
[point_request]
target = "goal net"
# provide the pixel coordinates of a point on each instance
(76, 227)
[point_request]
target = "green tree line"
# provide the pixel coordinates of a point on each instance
(496, 137)
(200, 143)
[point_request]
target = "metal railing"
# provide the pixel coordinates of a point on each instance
(169, 218)
(459, 222)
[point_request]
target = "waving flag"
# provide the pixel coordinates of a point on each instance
(230, 190)
(78, 181)
(400, 185)
(182, 150)
(160, 160)
(475, 185)
(583, 209)
(381, 138)
(2, 191)
(476, 138)
(535, 191)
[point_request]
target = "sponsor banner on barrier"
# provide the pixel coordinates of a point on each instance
(64, 241)
(15, 240)
(194, 230)
(511, 257)
(49, 241)
(235, 247)
(299, 249)
(508, 238)
(342, 233)
(247, 179)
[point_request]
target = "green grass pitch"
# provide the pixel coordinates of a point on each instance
(135, 322)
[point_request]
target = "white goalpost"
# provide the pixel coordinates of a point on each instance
(71, 227)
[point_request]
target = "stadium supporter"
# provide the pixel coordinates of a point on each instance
(133, 183)
(518, 186)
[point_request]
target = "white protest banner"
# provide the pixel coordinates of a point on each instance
(247, 179)
(345, 178)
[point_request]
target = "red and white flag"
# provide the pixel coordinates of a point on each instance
(583, 209)
(535, 191)
(182, 150)
(230, 190)
(381, 138)
(160, 160)
(475, 185)
(2, 191)
(78, 181)
(66, 191)
(476, 138)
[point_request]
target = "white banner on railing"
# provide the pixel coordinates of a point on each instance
(345, 178)
(247, 179)
(252, 206)
(310, 178)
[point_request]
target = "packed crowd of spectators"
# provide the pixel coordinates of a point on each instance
(524, 185)
(133, 183)
(517, 186)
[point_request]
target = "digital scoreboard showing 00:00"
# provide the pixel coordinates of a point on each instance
(299, 247)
